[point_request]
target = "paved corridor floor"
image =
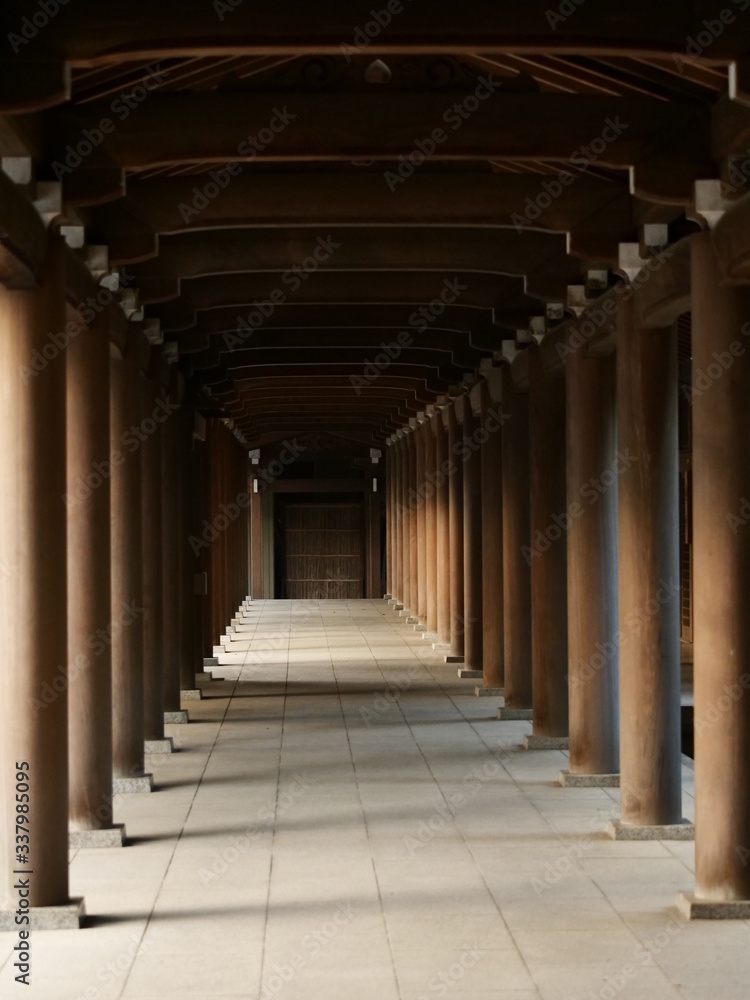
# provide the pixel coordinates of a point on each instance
(345, 819)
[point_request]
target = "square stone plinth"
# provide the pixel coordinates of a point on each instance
(113, 836)
(514, 714)
(452, 658)
(568, 780)
(204, 677)
(430, 636)
(671, 831)
(412, 620)
(405, 613)
(469, 675)
(440, 646)
(489, 692)
(387, 597)
(176, 718)
(210, 661)
(131, 786)
(191, 694)
(705, 909)
(398, 607)
(159, 746)
(67, 917)
(546, 743)
(420, 628)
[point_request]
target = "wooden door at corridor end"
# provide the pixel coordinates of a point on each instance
(324, 551)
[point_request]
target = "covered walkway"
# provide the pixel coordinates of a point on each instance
(346, 819)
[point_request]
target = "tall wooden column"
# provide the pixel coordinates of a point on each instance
(649, 607)
(398, 521)
(421, 512)
(90, 690)
(153, 615)
(412, 499)
(547, 552)
(516, 535)
(431, 568)
(33, 699)
(128, 729)
(473, 434)
(593, 647)
(721, 567)
(456, 528)
(389, 560)
(170, 559)
(187, 563)
(443, 529)
(493, 658)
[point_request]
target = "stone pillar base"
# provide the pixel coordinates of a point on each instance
(412, 620)
(674, 831)
(191, 694)
(387, 597)
(420, 628)
(128, 786)
(452, 658)
(67, 917)
(176, 718)
(159, 746)
(203, 677)
(705, 909)
(469, 675)
(113, 836)
(568, 780)
(210, 661)
(439, 646)
(489, 692)
(430, 636)
(405, 613)
(514, 714)
(398, 607)
(546, 743)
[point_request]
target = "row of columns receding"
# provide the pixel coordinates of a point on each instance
(533, 534)
(117, 520)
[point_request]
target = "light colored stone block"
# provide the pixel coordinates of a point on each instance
(489, 692)
(568, 780)
(113, 836)
(514, 714)
(48, 918)
(439, 646)
(176, 718)
(676, 831)
(452, 658)
(703, 909)
(546, 742)
(469, 675)
(191, 694)
(159, 746)
(131, 786)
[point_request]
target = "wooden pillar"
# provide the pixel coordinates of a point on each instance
(473, 435)
(171, 557)
(153, 568)
(443, 529)
(456, 527)
(389, 560)
(721, 568)
(398, 520)
(33, 700)
(420, 501)
(649, 607)
(256, 545)
(547, 551)
(493, 659)
(187, 564)
(88, 531)
(516, 536)
(431, 557)
(412, 499)
(593, 647)
(128, 730)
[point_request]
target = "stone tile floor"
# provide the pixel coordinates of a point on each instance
(344, 818)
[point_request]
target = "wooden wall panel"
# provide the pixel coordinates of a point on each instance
(324, 552)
